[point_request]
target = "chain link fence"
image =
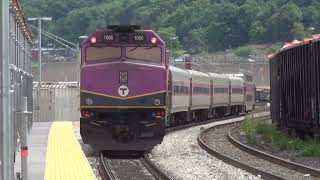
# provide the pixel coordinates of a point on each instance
(16, 99)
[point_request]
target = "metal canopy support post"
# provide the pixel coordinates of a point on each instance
(6, 160)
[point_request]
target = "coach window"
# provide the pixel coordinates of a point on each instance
(102, 53)
(176, 89)
(220, 90)
(144, 53)
(237, 90)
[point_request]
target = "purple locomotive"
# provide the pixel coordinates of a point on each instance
(123, 88)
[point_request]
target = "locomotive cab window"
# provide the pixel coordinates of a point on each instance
(103, 53)
(144, 53)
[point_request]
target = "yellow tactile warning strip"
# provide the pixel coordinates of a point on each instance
(65, 159)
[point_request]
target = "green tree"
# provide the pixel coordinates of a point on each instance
(196, 41)
(298, 31)
(201, 25)
(281, 24)
(257, 32)
(243, 51)
(169, 36)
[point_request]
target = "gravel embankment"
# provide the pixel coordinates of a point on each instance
(180, 156)
(217, 140)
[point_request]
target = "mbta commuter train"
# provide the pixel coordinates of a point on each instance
(129, 94)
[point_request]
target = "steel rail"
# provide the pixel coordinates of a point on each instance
(271, 158)
(233, 162)
(107, 174)
(188, 125)
(104, 169)
(153, 169)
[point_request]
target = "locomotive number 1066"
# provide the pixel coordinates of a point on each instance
(138, 37)
(108, 37)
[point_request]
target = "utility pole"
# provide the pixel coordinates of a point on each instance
(39, 19)
(6, 150)
(171, 48)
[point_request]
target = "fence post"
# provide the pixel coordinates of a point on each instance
(23, 135)
(6, 160)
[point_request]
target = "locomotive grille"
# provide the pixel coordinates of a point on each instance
(123, 78)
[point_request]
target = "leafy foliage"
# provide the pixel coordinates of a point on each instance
(277, 139)
(274, 48)
(243, 51)
(201, 25)
(248, 127)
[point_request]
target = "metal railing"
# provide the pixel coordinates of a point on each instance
(16, 87)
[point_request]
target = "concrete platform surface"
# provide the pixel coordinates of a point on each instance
(54, 153)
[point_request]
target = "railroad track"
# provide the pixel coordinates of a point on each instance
(108, 166)
(271, 158)
(185, 126)
(220, 147)
(258, 109)
(130, 168)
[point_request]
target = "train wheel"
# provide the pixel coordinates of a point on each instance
(204, 115)
(198, 116)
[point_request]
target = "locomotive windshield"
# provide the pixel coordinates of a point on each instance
(103, 53)
(144, 53)
(134, 53)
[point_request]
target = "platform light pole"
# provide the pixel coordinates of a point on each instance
(39, 19)
(6, 155)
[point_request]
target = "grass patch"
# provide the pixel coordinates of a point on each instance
(248, 127)
(276, 139)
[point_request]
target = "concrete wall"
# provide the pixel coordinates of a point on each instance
(57, 72)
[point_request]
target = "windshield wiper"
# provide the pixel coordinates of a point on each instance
(133, 48)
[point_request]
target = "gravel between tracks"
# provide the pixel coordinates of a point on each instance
(216, 139)
(181, 157)
(132, 169)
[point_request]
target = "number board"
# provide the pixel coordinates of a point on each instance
(138, 38)
(108, 37)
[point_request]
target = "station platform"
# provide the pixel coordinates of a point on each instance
(54, 153)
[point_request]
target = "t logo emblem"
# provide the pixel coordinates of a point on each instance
(123, 90)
